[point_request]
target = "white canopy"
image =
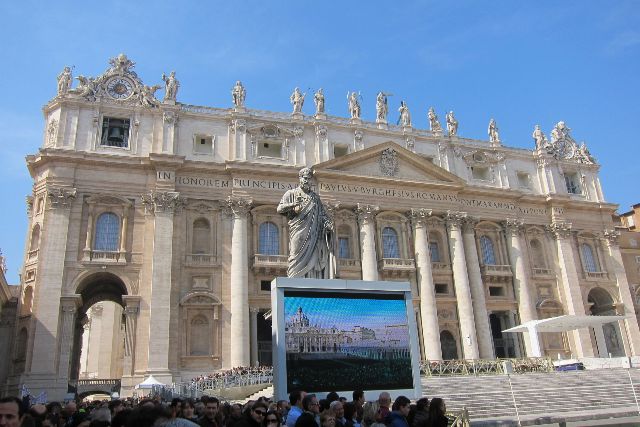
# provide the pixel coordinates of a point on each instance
(149, 383)
(568, 322)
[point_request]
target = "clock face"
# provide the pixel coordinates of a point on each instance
(119, 88)
(565, 149)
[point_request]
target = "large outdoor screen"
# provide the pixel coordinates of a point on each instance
(343, 335)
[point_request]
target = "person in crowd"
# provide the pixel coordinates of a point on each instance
(272, 419)
(327, 419)
(369, 414)
(437, 410)
(255, 417)
(310, 417)
(332, 396)
(283, 409)
(358, 401)
(350, 415)
(211, 407)
(295, 399)
(384, 401)
(11, 412)
(324, 405)
(176, 417)
(400, 410)
(421, 413)
(115, 406)
(70, 414)
(120, 419)
(235, 415)
(100, 417)
(338, 412)
(189, 410)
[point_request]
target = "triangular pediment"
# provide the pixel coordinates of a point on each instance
(388, 161)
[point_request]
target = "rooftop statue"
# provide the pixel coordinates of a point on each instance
(64, 81)
(171, 86)
(434, 123)
(238, 94)
(147, 95)
(354, 105)
(405, 115)
(311, 248)
(382, 108)
(318, 99)
(540, 138)
(494, 136)
(452, 124)
(297, 100)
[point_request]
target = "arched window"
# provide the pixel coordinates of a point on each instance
(537, 254)
(390, 243)
(486, 248)
(434, 250)
(344, 248)
(448, 346)
(21, 344)
(107, 232)
(35, 238)
(200, 337)
(269, 240)
(588, 258)
(201, 240)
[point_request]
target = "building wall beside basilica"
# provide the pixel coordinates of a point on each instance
(168, 210)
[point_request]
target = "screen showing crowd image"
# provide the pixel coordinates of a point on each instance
(343, 341)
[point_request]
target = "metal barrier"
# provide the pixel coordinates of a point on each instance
(459, 419)
(197, 388)
(432, 368)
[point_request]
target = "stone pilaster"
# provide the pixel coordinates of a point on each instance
(44, 354)
(514, 229)
(483, 329)
(239, 306)
(428, 306)
(68, 307)
(131, 311)
(254, 335)
(632, 337)
(454, 222)
(570, 285)
(163, 205)
(366, 219)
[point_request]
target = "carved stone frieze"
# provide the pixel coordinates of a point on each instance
(298, 131)
(366, 213)
(61, 197)
(564, 147)
(163, 201)
(389, 162)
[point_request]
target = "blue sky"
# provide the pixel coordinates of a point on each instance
(523, 63)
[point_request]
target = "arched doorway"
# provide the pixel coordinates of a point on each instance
(448, 346)
(99, 291)
(602, 304)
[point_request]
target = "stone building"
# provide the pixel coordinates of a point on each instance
(8, 305)
(168, 210)
(630, 249)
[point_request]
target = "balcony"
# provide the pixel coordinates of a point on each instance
(270, 264)
(496, 273)
(201, 260)
(397, 265)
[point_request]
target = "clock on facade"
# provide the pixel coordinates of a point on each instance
(119, 88)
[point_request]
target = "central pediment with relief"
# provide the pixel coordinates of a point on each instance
(388, 161)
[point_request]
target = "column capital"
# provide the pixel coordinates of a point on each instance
(513, 226)
(611, 237)
(254, 310)
(419, 217)
(455, 219)
(560, 229)
(366, 213)
(238, 126)
(469, 224)
(61, 197)
(131, 304)
(70, 303)
(162, 201)
(238, 207)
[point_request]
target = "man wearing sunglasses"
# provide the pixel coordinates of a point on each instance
(255, 417)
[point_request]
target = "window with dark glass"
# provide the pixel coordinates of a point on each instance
(268, 243)
(488, 253)
(343, 247)
(390, 247)
(107, 232)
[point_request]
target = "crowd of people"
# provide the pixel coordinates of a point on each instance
(234, 375)
(301, 410)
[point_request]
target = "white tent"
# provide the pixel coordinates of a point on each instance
(149, 383)
(568, 322)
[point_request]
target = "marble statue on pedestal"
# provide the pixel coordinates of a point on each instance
(354, 105)
(238, 94)
(311, 244)
(297, 100)
(452, 124)
(171, 86)
(494, 136)
(434, 123)
(382, 108)
(64, 81)
(318, 99)
(540, 138)
(405, 115)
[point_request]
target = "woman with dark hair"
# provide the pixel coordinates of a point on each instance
(437, 417)
(399, 412)
(189, 410)
(272, 419)
(421, 414)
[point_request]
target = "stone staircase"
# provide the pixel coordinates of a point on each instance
(533, 397)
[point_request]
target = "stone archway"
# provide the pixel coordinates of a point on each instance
(602, 304)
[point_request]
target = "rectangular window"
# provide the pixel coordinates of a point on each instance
(496, 291)
(340, 150)
(265, 285)
(343, 247)
(480, 173)
(434, 251)
(638, 259)
(270, 149)
(115, 132)
(203, 144)
(572, 183)
(524, 180)
(442, 288)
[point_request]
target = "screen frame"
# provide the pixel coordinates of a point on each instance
(282, 284)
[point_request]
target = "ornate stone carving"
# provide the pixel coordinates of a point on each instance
(52, 131)
(444, 314)
(405, 115)
(297, 100)
(169, 117)
(382, 107)
(354, 104)
(560, 229)
(171, 86)
(564, 147)
(492, 131)
(455, 219)
(434, 123)
(321, 132)
(61, 196)
(513, 226)
(452, 124)
(64, 81)
(366, 213)
(238, 95)
(318, 99)
(358, 136)
(419, 217)
(410, 142)
(29, 201)
(611, 237)
(163, 201)
(389, 162)
(238, 125)
(238, 207)
(298, 131)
